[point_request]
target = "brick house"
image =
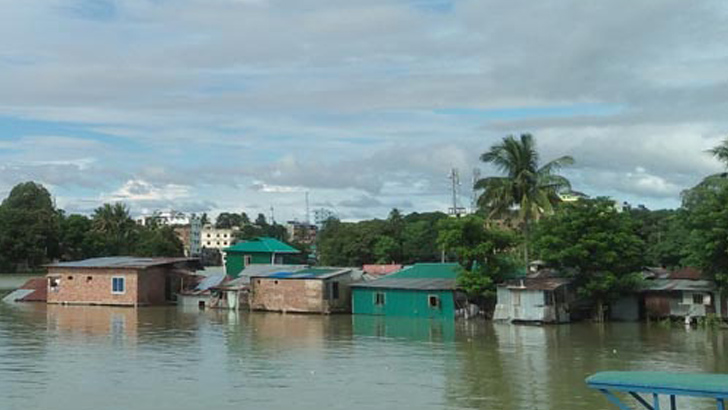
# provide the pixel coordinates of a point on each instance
(120, 281)
(308, 290)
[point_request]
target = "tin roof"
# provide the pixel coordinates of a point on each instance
(689, 273)
(421, 276)
(679, 284)
(409, 284)
(262, 245)
(122, 262)
(537, 283)
(306, 273)
(381, 270)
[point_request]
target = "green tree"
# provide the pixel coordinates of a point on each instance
(386, 249)
(600, 245)
(526, 186)
(78, 240)
(228, 220)
(29, 228)
(484, 253)
(706, 218)
(117, 229)
(159, 241)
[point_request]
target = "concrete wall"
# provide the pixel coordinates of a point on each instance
(92, 286)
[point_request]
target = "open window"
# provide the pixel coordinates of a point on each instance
(379, 299)
(54, 283)
(247, 260)
(433, 301)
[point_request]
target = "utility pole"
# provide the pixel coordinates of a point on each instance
(474, 199)
(272, 216)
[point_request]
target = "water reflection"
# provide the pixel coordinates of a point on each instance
(76, 358)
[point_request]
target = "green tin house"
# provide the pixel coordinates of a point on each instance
(259, 251)
(425, 290)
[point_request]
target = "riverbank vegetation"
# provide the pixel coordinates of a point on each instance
(34, 232)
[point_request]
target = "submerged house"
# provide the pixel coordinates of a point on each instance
(425, 290)
(540, 297)
(121, 281)
(683, 293)
(308, 290)
(259, 251)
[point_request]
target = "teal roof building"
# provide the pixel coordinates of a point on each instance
(259, 251)
(426, 290)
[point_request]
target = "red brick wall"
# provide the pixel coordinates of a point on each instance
(287, 295)
(92, 286)
(152, 286)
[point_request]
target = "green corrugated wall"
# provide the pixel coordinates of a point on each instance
(401, 302)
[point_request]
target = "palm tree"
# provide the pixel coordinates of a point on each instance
(526, 190)
(116, 226)
(721, 152)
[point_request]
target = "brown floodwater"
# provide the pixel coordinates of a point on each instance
(83, 358)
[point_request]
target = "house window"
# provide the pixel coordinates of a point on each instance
(248, 260)
(433, 301)
(118, 285)
(334, 292)
(54, 283)
(698, 299)
(379, 299)
(548, 298)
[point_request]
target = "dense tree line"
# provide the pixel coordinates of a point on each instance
(397, 239)
(603, 247)
(33, 232)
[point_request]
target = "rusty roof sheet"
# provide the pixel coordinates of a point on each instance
(687, 273)
(537, 283)
(124, 262)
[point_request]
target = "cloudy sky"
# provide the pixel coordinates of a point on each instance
(209, 105)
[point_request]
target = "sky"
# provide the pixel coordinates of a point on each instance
(244, 105)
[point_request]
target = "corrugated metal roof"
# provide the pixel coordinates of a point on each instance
(262, 245)
(679, 284)
(120, 262)
(537, 283)
(210, 281)
(307, 273)
(381, 270)
(428, 270)
(421, 276)
(410, 284)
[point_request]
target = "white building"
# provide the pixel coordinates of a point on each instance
(195, 236)
(171, 217)
(213, 238)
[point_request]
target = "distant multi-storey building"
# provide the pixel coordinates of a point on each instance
(322, 215)
(301, 232)
(167, 218)
(214, 238)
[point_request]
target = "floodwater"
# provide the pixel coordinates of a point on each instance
(84, 358)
